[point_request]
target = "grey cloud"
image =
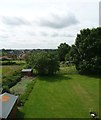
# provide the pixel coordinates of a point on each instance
(4, 36)
(55, 35)
(67, 35)
(62, 35)
(100, 13)
(43, 33)
(31, 33)
(59, 22)
(14, 21)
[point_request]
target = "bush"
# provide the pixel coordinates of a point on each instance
(11, 80)
(5, 89)
(24, 97)
(8, 63)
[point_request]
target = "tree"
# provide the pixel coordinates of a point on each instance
(86, 52)
(45, 63)
(63, 49)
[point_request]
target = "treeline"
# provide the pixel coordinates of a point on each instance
(85, 54)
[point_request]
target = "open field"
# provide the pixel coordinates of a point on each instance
(9, 70)
(62, 96)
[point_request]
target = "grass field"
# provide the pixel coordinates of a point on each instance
(10, 69)
(63, 96)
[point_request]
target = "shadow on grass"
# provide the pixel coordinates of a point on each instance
(92, 76)
(54, 78)
(19, 115)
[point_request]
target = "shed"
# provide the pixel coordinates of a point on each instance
(27, 72)
(8, 106)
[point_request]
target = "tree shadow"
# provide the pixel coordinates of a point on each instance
(19, 115)
(92, 76)
(54, 78)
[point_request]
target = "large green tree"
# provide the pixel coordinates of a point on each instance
(86, 52)
(45, 63)
(63, 49)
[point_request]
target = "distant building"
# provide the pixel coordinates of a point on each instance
(8, 106)
(27, 72)
(5, 58)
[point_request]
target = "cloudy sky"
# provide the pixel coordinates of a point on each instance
(44, 24)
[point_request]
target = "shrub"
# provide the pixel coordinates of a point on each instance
(24, 97)
(8, 63)
(11, 80)
(5, 89)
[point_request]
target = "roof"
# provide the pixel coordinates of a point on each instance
(4, 57)
(7, 102)
(26, 70)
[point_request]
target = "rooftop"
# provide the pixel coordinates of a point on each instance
(7, 102)
(26, 70)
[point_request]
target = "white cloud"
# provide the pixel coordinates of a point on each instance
(57, 21)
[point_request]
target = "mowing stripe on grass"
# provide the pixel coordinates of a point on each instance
(61, 97)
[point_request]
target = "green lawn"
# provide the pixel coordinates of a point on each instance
(62, 96)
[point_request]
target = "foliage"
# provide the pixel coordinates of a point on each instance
(86, 53)
(44, 63)
(20, 87)
(5, 89)
(11, 79)
(63, 49)
(4, 59)
(24, 96)
(11, 62)
(8, 63)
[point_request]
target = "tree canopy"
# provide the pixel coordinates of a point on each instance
(44, 63)
(86, 53)
(63, 49)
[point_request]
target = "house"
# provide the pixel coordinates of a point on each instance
(8, 106)
(27, 72)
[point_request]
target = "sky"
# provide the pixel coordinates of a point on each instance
(44, 24)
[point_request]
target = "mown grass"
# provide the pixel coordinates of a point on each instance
(66, 95)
